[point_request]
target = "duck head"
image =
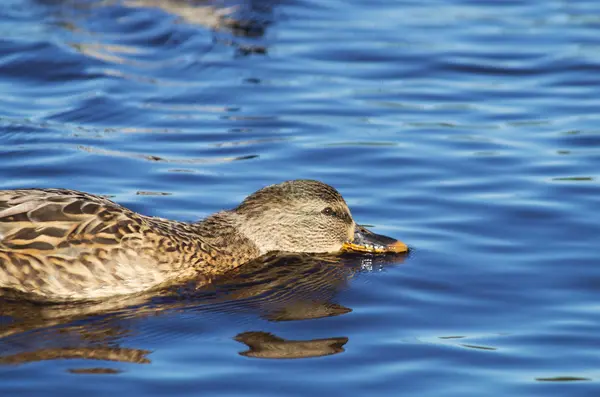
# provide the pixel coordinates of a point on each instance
(306, 216)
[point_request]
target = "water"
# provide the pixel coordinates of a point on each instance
(467, 129)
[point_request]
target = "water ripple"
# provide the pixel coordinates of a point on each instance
(467, 129)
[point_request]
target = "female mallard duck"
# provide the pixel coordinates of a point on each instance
(64, 245)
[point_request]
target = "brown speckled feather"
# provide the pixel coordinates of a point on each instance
(63, 245)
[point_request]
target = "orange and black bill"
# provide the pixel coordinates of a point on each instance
(367, 241)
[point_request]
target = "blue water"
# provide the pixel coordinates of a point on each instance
(470, 130)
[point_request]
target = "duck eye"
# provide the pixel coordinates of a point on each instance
(329, 212)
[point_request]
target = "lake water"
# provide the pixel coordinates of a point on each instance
(470, 130)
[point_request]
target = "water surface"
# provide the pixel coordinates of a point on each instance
(467, 129)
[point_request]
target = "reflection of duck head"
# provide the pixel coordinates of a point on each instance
(281, 288)
(265, 345)
(295, 286)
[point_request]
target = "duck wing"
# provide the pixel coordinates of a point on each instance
(63, 244)
(55, 219)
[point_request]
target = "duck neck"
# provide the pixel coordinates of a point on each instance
(228, 247)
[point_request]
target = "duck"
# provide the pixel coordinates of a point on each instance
(61, 245)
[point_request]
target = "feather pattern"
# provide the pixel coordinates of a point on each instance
(62, 245)
(65, 245)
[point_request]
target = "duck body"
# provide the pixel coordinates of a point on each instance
(59, 245)
(65, 245)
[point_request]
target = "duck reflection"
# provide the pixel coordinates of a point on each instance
(244, 20)
(266, 345)
(276, 288)
(240, 24)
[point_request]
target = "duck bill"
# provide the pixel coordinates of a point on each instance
(367, 241)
